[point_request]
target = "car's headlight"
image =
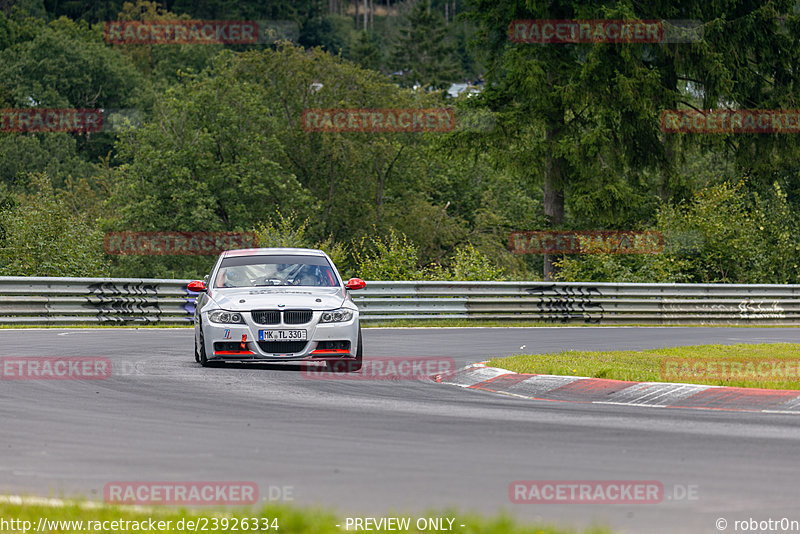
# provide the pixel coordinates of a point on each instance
(336, 316)
(225, 317)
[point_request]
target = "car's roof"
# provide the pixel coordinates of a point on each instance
(272, 251)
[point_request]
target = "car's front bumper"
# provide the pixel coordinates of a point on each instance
(228, 338)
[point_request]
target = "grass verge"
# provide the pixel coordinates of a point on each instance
(287, 519)
(765, 365)
(447, 323)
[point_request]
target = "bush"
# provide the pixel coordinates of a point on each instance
(392, 257)
(288, 231)
(284, 231)
(468, 263)
(43, 237)
(641, 268)
(723, 234)
(338, 253)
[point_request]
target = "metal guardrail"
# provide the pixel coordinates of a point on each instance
(37, 300)
(584, 302)
(132, 301)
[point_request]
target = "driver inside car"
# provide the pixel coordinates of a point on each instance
(232, 277)
(307, 276)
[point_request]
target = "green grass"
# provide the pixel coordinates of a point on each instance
(446, 323)
(477, 323)
(652, 365)
(290, 519)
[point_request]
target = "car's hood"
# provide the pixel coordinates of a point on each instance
(270, 298)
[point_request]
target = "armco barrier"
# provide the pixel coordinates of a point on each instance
(41, 301)
(151, 301)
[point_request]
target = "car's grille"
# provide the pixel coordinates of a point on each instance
(297, 316)
(282, 347)
(289, 316)
(266, 316)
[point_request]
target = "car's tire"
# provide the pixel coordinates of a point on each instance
(349, 366)
(359, 361)
(196, 353)
(203, 357)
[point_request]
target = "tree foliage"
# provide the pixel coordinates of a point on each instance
(423, 51)
(563, 136)
(722, 234)
(41, 236)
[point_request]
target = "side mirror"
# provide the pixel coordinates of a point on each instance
(355, 283)
(198, 286)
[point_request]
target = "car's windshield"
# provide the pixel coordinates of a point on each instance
(274, 270)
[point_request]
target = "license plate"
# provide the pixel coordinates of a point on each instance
(282, 335)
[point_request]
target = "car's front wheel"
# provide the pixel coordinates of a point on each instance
(196, 352)
(201, 355)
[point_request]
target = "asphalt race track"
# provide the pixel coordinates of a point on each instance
(373, 447)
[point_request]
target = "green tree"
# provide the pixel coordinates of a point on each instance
(331, 33)
(96, 11)
(365, 51)
(583, 118)
(722, 234)
(42, 236)
(468, 263)
(232, 142)
(65, 64)
(163, 64)
(206, 161)
(392, 257)
(55, 154)
(576, 120)
(359, 178)
(287, 231)
(7, 34)
(423, 50)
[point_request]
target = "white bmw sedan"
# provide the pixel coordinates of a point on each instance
(277, 304)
